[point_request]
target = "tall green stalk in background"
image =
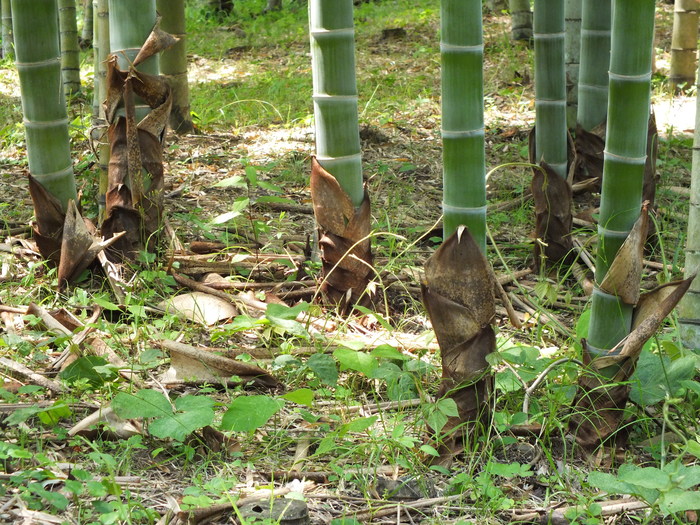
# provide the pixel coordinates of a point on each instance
(100, 47)
(684, 43)
(6, 20)
(341, 204)
(625, 157)
(596, 19)
(550, 86)
(335, 94)
(520, 19)
(622, 319)
(43, 104)
(689, 308)
(173, 63)
(549, 149)
(130, 22)
(70, 48)
(88, 22)
(572, 45)
(463, 158)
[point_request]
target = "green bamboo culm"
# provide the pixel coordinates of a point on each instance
(88, 21)
(551, 138)
(572, 46)
(130, 23)
(463, 157)
(100, 47)
(8, 50)
(596, 20)
(689, 307)
(624, 161)
(335, 93)
(520, 19)
(173, 63)
(70, 48)
(684, 43)
(38, 61)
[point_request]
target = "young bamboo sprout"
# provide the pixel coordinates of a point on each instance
(341, 204)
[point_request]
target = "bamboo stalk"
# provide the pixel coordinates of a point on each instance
(596, 16)
(520, 19)
(43, 104)
(8, 50)
(335, 94)
(625, 157)
(572, 46)
(88, 22)
(130, 23)
(70, 49)
(101, 50)
(684, 43)
(689, 307)
(550, 86)
(173, 63)
(463, 157)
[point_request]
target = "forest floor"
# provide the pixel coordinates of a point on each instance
(107, 414)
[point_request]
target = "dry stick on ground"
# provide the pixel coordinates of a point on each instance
(556, 324)
(31, 374)
(408, 506)
(556, 516)
(13, 310)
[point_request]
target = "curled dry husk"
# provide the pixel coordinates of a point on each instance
(553, 218)
(344, 242)
(458, 294)
(590, 149)
(601, 398)
(134, 194)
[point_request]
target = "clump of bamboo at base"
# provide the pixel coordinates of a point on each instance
(135, 189)
(621, 320)
(549, 141)
(38, 63)
(340, 201)
(458, 290)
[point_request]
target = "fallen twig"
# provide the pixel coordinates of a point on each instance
(31, 374)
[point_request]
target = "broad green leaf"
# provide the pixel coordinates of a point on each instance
(693, 447)
(686, 477)
(248, 413)
(657, 376)
(52, 415)
(505, 470)
(431, 451)
(389, 352)
(679, 500)
(436, 420)
(84, 368)
(324, 367)
(358, 361)
(647, 477)
(325, 445)
(448, 406)
(361, 424)
(231, 182)
(144, 403)
(582, 325)
(609, 483)
(193, 413)
(345, 521)
(285, 317)
(301, 396)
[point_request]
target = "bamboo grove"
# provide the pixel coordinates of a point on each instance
(613, 142)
